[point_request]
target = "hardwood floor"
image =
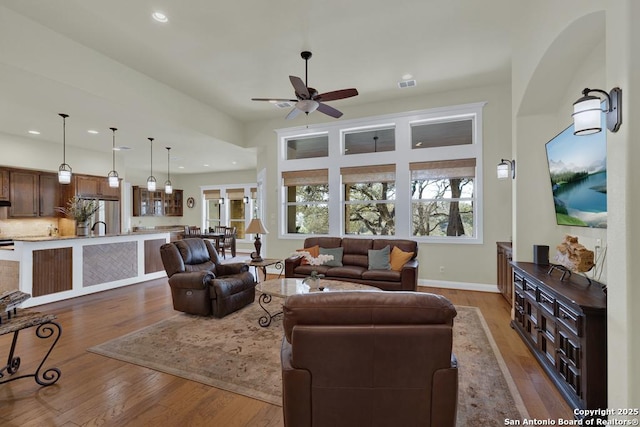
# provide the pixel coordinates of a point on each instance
(96, 390)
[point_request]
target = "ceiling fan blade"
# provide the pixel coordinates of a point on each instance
(293, 113)
(274, 99)
(329, 111)
(336, 94)
(299, 86)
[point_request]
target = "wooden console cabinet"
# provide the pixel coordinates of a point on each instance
(564, 324)
(505, 274)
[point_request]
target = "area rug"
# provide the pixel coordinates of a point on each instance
(236, 354)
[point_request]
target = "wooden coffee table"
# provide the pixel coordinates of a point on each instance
(284, 287)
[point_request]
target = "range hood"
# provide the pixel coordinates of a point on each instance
(5, 203)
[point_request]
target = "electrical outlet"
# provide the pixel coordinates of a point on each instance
(442, 269)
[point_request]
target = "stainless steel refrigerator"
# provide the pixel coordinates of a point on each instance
(106, 220)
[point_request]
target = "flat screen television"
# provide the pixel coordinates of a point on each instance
(578, 171)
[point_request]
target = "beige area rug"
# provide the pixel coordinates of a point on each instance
(236, 354)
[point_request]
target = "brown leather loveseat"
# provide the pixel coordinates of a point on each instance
(200, 284)
(368, 359)
(355, 263)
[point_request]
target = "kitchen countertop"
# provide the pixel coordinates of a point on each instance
(91, 236)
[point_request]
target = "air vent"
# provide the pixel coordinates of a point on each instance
(283, 104)
(407, 83)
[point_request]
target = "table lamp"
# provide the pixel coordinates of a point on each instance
(255, 226)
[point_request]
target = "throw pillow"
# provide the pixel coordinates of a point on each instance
(337, 256)
(314, 251)
(399, 258)
(379, 259)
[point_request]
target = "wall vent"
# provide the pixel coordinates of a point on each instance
(407, 83)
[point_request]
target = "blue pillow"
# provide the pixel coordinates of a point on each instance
(337, 256)
(379, 259)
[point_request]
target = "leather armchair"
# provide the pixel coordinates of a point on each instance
(200, 284)
(368, 359)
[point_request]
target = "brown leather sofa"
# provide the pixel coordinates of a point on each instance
(355, 263)
(368, 359)
(200, 284)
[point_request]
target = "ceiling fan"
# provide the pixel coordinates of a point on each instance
(307, 98)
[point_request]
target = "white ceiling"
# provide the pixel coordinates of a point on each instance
(189, 82)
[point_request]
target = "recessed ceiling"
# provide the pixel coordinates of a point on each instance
(188, 82)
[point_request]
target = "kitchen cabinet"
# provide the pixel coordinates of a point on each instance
(156, 203)
(4, 184)
(95, 187)
(24, 194)
(32, 193)
(173, 203)
(47, 194)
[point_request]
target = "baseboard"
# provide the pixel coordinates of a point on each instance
(464, 286)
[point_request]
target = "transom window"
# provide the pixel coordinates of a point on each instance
(414, 175)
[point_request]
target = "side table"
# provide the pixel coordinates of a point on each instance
(46, 328)
(264, 264)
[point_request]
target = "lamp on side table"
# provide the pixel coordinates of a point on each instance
(256, 227)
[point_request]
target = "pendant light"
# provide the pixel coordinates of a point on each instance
(168, 188)
(114, 180)
(64, 171)
(151, 181)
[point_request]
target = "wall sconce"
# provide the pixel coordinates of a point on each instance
(245, 199)
(587, 112)
(503, 169)
(221, 201)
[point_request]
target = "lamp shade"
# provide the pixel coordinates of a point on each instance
(256, 227)
(503, 171)
(587, 116)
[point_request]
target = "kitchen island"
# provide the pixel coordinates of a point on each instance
(57, 268)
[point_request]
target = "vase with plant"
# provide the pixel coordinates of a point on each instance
(80, 210)
(313, 280)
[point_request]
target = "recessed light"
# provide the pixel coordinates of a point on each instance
(180, 167)
(234, 163)
(407, 76)
(34, 132)
(160, 17)
(93, 132)
(205, 165)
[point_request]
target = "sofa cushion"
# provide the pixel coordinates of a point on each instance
(404, 244)
(399, 258)
(323, 242)
(379, 259)
(382, 275)
(306, 270)
(337, 256)
(356, 251)
(314, 251)
(347, 271)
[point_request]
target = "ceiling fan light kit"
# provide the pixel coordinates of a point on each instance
(307, 98)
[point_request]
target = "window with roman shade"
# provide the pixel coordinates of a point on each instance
(307, 197)
(443, 198)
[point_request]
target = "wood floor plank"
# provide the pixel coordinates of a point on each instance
(96, 390)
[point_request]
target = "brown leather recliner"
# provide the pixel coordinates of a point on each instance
(368, 359)
(200, 284)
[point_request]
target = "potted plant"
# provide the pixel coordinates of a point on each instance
(80, 210)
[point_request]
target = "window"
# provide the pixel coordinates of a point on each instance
(307, 196)
(369, 200)
(414, 175)
(213, 208)
(237, 206)
(444, 134)
(443, 198)
(369, 141)
(308, 147)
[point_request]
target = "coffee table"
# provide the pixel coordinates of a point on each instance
(285, 287)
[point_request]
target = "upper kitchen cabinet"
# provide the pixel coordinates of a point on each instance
(156, 203)
(32, 193)
(95, 187)
(4, 185)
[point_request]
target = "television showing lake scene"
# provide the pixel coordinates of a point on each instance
(578, 170)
